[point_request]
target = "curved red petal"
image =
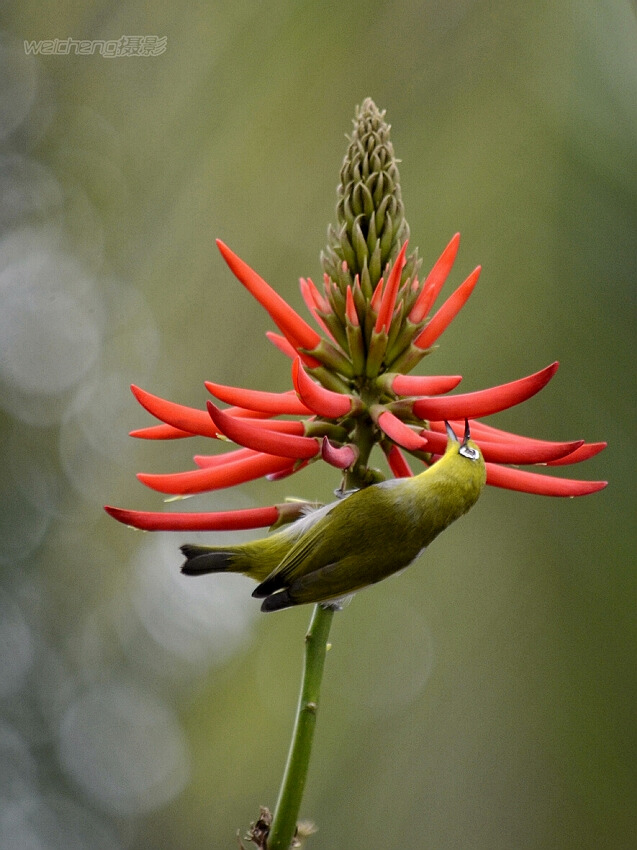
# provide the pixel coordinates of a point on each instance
(484, 402)
(400, 433)
(318, 399)
(160, 432)
(541, 485)
(319, 302)
(525, 451)
(288, 321)
(284, 346)
(202, 480)
(262, 439)
(546, 451)
(273, 404)
(350, 308)
(377, 296)
(309, 296)
(342, 457)
(398, 463)
(386, 308)
(178, 415)
(586, 451)
(448, 312)
(435, 281)
(208, 461)
(424, 384)
(290, 469)
(219, 521)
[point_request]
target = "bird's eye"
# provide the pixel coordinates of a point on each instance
(469, 452)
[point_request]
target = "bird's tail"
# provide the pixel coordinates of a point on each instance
(206, 559)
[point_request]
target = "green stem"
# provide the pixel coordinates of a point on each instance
(287, 806)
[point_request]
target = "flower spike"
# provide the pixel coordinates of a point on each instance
(351, 389)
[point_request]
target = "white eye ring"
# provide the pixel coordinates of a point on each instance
(467, 451)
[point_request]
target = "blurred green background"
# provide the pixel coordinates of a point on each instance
(485, 699)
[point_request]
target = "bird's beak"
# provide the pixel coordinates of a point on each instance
(450, 432)
(467, 433)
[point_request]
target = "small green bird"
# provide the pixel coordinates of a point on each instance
(342, 547)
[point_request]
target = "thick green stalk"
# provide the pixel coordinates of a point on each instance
(293, 784)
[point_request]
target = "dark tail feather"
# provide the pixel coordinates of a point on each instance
(275, 581)
(201, 560)
(277, 601)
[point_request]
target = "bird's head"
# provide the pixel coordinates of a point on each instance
(467, 448)
(465, 455)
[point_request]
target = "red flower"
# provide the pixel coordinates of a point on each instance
(350, 379)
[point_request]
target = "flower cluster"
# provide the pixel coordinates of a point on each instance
(351, 390)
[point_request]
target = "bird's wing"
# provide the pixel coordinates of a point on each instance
(305, 546)
(356, 529)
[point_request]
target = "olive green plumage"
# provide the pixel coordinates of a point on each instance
(356, 541)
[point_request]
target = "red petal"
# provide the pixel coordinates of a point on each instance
(160, 432)
(484, 402)
(288, 321)
(398, 463)
(377, 296)
(220, 521)
(208, 461)
(435, 281)
(201, 480)
(283, 345)
(584, 452)
(342, 457)
(319, 302)
(310, 303)
(273, 404)
(178, 415)
(290, 469)
(350, 308)
(318, 399)
(541, 485)
(494, 436)
(397, 431)
(424, 384)
(448, 312)
(263, 440)
(508, 452)
(386, 309)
